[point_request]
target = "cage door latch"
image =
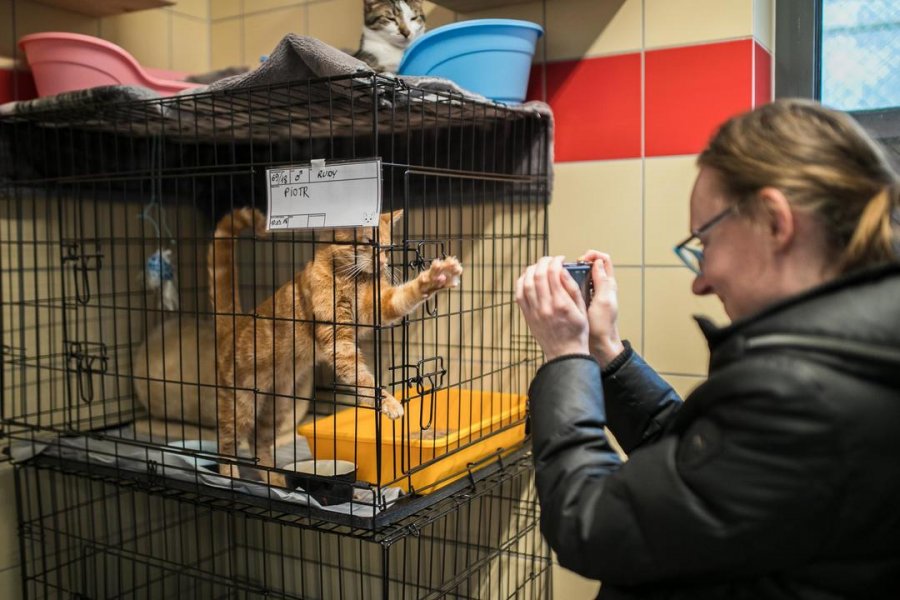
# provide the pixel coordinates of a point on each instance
(427, 376)
(87, 359)
(83, 263)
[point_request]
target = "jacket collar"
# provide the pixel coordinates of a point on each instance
(818, 311)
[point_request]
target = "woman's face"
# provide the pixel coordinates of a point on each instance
(737, 264)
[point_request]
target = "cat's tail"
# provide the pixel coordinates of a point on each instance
(224, 296)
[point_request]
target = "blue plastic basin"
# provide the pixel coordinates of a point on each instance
(491, 57)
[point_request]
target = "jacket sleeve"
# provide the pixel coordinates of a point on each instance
(744, 489)
(639, 403)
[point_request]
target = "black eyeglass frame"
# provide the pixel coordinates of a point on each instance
(684, 253)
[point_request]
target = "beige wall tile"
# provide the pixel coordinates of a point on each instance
(527, 11)
(11, 583)
(672, 341)
(32, 17)
(226, 43)
(255, 6)
(145, 35)
(667, 192)
(597, 204)
(263, 31)
(436, 15)
(683, 384)
(631, 305)
(223, 9)
(336, 22)
(764, 22)
(193, 8)
(7, 43)
(572, 586)
(9, 537)
(676, 22)
(577, 28)
(190, 44)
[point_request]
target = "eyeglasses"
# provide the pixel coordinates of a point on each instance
(690, 251)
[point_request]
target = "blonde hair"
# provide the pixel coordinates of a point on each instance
(823, 161)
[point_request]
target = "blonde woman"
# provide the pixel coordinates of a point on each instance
(779, 477)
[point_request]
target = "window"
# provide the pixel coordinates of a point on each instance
(845, 53)
(860, 54)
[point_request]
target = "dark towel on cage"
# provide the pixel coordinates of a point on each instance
(295, 58)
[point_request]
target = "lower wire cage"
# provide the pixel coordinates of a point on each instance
(91, 537)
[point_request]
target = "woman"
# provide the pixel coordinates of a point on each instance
(779, 477)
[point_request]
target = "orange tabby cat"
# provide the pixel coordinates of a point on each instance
(263, 359)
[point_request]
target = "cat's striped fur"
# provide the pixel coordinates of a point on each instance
(264, 360)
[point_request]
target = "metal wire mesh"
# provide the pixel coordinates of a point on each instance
(83, 537)
(96, 201)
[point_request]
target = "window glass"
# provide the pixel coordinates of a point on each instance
(861, 54)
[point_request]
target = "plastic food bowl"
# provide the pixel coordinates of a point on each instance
(328, 481)
(491, 57)
(63, 62)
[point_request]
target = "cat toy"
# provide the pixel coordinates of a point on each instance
(160, 275)
(159, 272)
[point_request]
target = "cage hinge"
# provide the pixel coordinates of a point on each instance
(422, 261)
(154, 477)
(12, 352)
(83, 263)
(87, 359)
(470, 472)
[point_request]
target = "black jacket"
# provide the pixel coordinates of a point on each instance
(779, 477)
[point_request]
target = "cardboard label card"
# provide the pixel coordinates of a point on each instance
(344, 194)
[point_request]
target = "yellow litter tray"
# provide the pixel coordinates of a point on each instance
(459, 425)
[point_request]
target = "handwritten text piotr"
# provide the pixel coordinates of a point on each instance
(341, 195)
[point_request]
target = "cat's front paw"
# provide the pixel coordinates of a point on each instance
(443, 274)
(276, 480)
(228, 470)
(390, 406)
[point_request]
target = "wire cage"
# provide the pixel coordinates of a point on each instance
(83, 537)
(161, 320)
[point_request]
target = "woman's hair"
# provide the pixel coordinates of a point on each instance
(822, 161)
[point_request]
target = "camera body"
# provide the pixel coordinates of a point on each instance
(581, 273)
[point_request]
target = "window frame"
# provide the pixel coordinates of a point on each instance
(798, 68)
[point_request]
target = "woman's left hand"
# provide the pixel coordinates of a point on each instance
(552, 305)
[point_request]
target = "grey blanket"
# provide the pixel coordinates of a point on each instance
(295, 58)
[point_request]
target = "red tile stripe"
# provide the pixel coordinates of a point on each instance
(762, 71)
(16, 85)
(691, 90)
(688, 91)
(597, 106)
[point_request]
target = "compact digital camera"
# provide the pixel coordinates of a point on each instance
(581, 273)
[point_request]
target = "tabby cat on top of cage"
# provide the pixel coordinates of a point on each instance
(263, 358)
(389, 27)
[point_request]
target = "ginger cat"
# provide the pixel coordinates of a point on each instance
(336, 291)
(175, 371)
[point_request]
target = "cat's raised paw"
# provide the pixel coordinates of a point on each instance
(391, 407)
(443, 274)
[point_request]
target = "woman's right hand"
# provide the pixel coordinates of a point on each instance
(603, 311)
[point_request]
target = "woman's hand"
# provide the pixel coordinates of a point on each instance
(603, 311)
(553, 308)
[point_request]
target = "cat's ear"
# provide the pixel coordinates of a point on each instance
(392, 217)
